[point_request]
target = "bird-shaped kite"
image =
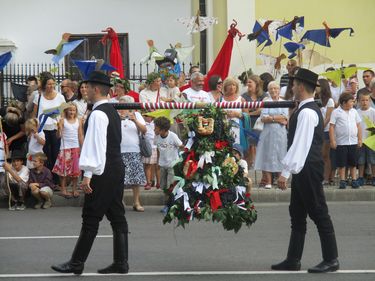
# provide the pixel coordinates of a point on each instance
(273, 26)
(273, 64)
(63, 48)
(4, 59)
(88, 66)
(314, 58)
(197, 23)
(297, 25)
(343, 72)
(153, 55)
(321, 36)
(261, 33)
(292, 48)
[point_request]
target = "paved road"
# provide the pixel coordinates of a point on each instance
(204, 251)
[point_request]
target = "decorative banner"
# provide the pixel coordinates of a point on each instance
(4, 59)
(66, 49)
(197, 23)
(297, 25)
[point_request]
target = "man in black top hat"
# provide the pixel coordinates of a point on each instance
(103, 181)
(304, 160)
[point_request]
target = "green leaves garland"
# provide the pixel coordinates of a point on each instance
(196, 197)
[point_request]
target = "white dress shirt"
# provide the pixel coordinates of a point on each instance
(295, 158)
(93, 154)
(346, 130)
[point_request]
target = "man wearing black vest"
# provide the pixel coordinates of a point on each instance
(304, 160)
(102, 182)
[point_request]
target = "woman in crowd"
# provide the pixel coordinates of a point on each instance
(154, 92)
(215, 84)
(49, 99)
(81, 101)
(272, 145)
(254, 93)
(328, 105)
(231, 93)
(132, 124)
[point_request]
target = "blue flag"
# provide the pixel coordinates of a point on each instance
(292, 47)
(66, 49)
(88, 66)
(321, 37)
(4, 59)
(287, 29)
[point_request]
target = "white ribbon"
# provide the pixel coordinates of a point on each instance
(240, 190)
(206, 157)
(190, 141)
(200, 186)
(180, 193)
(214, 177)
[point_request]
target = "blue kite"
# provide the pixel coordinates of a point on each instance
(321, 36)
(261, 33)
(88, 66)
(4, 59)
(66, 49)
(292, 47)
(286, 30)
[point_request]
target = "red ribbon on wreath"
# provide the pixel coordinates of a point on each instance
(190, 165)
(215, 200)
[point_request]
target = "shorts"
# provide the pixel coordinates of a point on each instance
(366, 155)
(153, 159)
(346, 156)
(47, 190)
(166, 177)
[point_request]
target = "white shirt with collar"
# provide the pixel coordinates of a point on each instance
(93, 153)
(295, 158)
(346, 130)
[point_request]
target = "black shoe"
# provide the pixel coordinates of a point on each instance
(69, 267)
(325, 266)
(287, 265)
(115, 268)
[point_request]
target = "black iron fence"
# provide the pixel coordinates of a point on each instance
(18, 73)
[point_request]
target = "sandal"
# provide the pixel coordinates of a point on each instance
(75, 194)
(138, 208)
(147, 186)
(67, 195)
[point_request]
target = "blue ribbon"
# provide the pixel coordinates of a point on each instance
(43, 118)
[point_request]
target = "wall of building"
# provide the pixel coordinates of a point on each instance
(35, 26)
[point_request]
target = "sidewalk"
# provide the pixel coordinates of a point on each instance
(155, 197)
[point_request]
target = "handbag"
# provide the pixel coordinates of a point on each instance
(145, 146)
(258, 125)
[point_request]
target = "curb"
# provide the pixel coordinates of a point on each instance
(157, 197)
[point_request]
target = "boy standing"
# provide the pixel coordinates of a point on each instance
(366, 155)
(41, 182)
(345, 136)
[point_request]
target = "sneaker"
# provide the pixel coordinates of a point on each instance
(268, 186)
(355, 184)
(164, 210)
(20, 207)
(342, 184)
(47, 204)
(361, 181)
(38, 205)
(12, 207)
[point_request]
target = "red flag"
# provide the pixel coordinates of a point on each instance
(115, 58)
(221, 64)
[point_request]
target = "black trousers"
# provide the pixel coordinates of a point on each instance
(51, 147)
(307, 198)
(106, 199)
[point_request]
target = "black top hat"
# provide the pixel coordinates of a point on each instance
(100, 78)
(17, 154)
(307, 76)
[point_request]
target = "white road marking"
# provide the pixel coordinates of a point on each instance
(183, 273)
(49, 237)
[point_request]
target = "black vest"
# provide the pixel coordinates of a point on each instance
(315, 153)
(113, 150)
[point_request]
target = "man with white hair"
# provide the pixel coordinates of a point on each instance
(196, 93)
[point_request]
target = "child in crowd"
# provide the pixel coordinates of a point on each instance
(3, 152)
(168, 145)
(18, 178)
(150, 163)
(41, 182)
(366, 155)
(172, 89)
(345, 136)
(238, 154)
(36, 140)
(67, 162)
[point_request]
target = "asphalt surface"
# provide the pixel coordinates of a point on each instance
(201, 251)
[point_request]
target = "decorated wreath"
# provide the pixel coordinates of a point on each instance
(209, 183)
